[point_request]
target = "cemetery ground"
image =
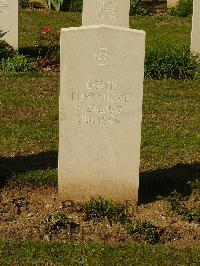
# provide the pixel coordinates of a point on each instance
(37, 227)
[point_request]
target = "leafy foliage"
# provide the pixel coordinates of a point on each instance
(137, 9)
(56, 222)
(143, 230)
(5, 50)
(19, 204)
(47, 47)
(69, 5)
(55, 3)
(170, 61)
(24, 3)
(17, 63)
(176, 203)
(73, 5)
(184, 8)
(99, 209)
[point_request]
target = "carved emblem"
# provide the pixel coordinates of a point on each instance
(101, 56)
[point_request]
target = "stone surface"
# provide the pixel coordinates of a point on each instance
(171, 3)
(101, 94)
(108, 12)
(195, 38)
(9, 21)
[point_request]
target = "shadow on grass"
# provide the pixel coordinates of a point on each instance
(23, 164)
(36, 51)
(162, 182)
(155, 183)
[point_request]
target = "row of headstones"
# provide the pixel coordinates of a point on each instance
(9, 19)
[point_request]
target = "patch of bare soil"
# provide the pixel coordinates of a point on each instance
(26, 212)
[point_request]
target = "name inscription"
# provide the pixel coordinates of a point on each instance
(99, 103)
(3, 6)
(106, 9)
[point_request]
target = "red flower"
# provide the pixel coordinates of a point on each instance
(46, 30)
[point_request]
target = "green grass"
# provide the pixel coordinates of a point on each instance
(66, 253)
(161, 28)
(32, 22)
(170, 132)
(29, 114)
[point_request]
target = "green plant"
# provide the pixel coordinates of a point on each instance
(170, 61)
(47, 46)
(55, 3)
(19, 204)
(176, 204)
(24, 3)
(184, 8)
(143, 230)
(99, 209)
(69, 5)
(56, 222)
(195, 186)
(73, 5)
(197, 72)
(137, 9)
(2, 34)
(17, 63)
(5, 50)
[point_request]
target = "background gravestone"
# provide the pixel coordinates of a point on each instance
(109, 12)
(195, 42)
(102, 70)
(172, 3)
(9, 21)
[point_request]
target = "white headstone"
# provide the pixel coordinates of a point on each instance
(102, 70)
(109, 12)
(9, 21)
(171, 3)
(195, 42)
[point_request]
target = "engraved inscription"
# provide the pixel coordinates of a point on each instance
(100, 97)
(3, 6)
(100, 85)
(101, 56)
(102, 120)
(106, 9)
(99, 103)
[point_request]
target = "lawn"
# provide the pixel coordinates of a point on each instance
(170, 158)
(34, 253)
(161, 28)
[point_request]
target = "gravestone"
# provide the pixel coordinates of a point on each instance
(195, 37)
(9, 22)
(171, 3)
(109, 12)
(101, 92)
